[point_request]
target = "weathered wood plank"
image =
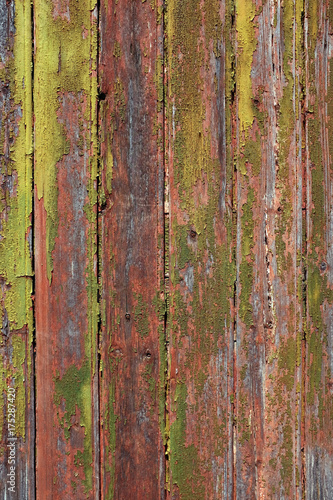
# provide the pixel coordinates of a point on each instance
(202, 272)
(131, 248)
(319, 340)
(65, 92)
(269, 245)
(16, 346)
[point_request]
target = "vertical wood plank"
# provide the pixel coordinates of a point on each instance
(17, 420)
(269, 245)
(319, 360)
(65, 91)
(131, 246)
(202, 272)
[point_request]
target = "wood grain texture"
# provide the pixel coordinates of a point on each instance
(318, 375)
(202, 270)
(67, 446)
(17, 418)
(131, 251)
(269, 248)
(183, 238)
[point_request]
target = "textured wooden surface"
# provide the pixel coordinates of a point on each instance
(67, 432)
(269, 297)
(16, 285)
(174, 340)
(131, 251)
(201, 246)
(319, 327)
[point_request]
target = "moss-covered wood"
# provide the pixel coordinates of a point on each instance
(17, 418)
(66, 306)
(199, 156)
(181, 242)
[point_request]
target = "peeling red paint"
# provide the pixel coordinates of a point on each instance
(131, 242)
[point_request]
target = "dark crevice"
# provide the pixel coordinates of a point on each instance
(304, 253)
(101, 96)
(268, 313)
(233, 343)
(234, 395)
(166, 437)
(235, 284)
(303, 389)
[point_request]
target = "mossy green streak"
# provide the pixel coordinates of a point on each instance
(74, 389)
(64, 62)
(245, 13)
(16, 207)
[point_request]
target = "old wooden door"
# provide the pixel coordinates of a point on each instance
(166, 249)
